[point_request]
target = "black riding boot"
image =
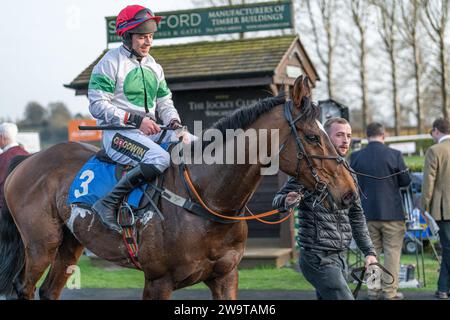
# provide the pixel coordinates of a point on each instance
(107, 207)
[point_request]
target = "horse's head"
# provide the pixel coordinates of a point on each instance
(308, 154)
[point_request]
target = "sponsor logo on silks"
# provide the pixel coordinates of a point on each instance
(128, 147)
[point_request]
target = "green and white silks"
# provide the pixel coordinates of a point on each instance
(120, 84)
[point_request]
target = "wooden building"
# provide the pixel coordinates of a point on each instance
(211, 79)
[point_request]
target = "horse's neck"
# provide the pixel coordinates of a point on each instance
(228, 187)
(225, 188)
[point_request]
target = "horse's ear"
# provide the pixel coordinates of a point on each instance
(301, 89)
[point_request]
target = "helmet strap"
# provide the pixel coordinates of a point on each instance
(126, 39)
(128, 43)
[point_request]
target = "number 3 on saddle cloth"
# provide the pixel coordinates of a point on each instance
(97, 178)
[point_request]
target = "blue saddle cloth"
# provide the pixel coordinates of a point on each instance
(95, 179)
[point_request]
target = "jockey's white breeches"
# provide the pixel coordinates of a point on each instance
(130, 147)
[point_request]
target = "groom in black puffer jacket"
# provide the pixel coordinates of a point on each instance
(324, 234)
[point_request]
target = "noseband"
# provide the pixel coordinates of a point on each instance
(321, 187)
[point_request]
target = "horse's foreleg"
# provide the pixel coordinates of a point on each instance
(159, 289)
(68, 254)
(225, 287)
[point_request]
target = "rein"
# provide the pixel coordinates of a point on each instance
(321, 187)
(205, 206)
(291, 212)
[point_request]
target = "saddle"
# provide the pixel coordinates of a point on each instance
(100, 174)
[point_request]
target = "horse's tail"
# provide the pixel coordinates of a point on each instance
(12, 255)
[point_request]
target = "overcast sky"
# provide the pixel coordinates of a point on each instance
(47, 43)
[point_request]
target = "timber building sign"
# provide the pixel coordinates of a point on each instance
(211, 21)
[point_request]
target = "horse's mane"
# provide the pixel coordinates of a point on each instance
(242, 118)
(245, 116)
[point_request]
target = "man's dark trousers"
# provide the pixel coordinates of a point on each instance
(325, 270)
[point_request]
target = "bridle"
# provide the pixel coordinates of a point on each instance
(320, 187)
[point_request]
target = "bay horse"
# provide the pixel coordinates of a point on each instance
(181, 250)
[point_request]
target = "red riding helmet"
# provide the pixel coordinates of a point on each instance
(131, 17)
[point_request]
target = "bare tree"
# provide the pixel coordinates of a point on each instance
(359, 13)
(325, 33)
(409, 29)
(387, 29)
(436, 16)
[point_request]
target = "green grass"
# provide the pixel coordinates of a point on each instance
(262, 278)
(96, 277)
(272, 278)
(415, 163)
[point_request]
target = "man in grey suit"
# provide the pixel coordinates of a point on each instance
(382, 204)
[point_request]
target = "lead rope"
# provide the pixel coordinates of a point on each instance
(360, 279)
(374, 177)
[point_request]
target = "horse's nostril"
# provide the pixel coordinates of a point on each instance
(348, 198)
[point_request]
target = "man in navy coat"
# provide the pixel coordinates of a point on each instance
(382, 203)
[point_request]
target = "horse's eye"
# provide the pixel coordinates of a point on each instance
(312, 138)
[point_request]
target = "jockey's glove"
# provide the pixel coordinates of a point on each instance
(175, 124)
(134, 120)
